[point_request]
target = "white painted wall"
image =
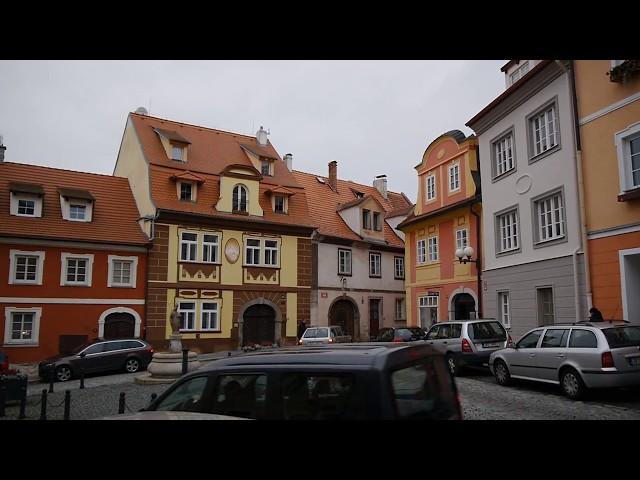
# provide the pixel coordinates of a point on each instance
(353, 218)
(394, 222)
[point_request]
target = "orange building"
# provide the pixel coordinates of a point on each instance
(74, 260)
(608, 104)
(446, 218)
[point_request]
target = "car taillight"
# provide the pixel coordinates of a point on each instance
(466, 346)
(510, 342)
(398, 340)
(607, 360)
(331, 340)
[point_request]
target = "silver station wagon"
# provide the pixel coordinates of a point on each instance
(577, 357)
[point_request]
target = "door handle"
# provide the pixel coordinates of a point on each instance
(560, 355)
(444, 343)
(532, 354)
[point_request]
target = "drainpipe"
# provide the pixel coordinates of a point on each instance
(478, 257)
(576, 288)
(580, 183)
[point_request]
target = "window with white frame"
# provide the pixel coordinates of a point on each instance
(433, 248)
(22, 326)
(270, 252)
(344, 262)
(209, 316)
(252, 252)
(176, 153)
(400, 311)
(504, 313)
(265, 167)
(122, 271)
(398, 267)
(454, 177)
(503, 158)
(76, 269)
(25, 267)
(462, 238)
(186, 191)
(188, 247)
(634, 155)
(77, 212)
(25, 205)
(187, 312)
(508, 235)
(628, 148)
(428, 310)
(543, 129)
(209, 248)
(431, 187)
(279, 204)
(519, 72)
(239, 198)
(366, 219)
(550, 217)
(375, 260)
(421, 251)
(377, 226)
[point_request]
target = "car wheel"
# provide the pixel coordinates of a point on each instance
(501, 372)
(132, 365)
(63, 373)
(452, 364)
(571, 384)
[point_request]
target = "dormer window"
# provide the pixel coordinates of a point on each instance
(279, 201)
(77, 212)
(76, 205)
(265, 167)
(366, 219)
(186, 191)
(176, 153)
(26, 207)
(377, 226)
(26, 200)
(239, 198)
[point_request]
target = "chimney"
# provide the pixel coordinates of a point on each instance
(381, 185)
(2, 149)
(288, 161)
(333, 175)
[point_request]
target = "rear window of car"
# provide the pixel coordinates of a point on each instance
(424, 390)
(487, 330)
(315, 333)
(582, 339)
(622, 336)
(386, 335)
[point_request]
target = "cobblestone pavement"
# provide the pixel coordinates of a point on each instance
(483, 399)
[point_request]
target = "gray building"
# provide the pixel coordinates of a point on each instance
(533, 259)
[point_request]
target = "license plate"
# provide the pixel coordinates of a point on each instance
(490, 345)
(634, 362)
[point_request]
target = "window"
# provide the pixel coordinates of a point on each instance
(122, 271)
(187, 312)
(628, 147)
(311, 396)
(188, 246)
(252, 256)
(239, 198)
(433, 249)
(504, 313)
(545, 306)
(210, 248)
(454, 177)
(398, 267)
(518, 73)
(508, 235)
(374, 264)
(503, 157)
(76, 270)
(185, 398)
(26, 207)
(421, 251)
(549, 217)
(77, 212)
(431, 187)
(344, 262)
(265, 167)
(583, 339)
(555, 338)
(279, 204)
(186, 191)
(634, 153)
(376, 222)
(400, 309)
(25, 267)
(21, 325)
(366, 219)
(543, 130)
(461, 238)
(530, 340)
(270, 252)
(209, 317)
(176, 153)
(428, 308)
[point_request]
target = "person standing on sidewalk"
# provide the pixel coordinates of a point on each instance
(301, 328)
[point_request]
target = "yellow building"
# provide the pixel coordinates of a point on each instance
(231, 236)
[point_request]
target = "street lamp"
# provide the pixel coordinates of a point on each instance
(464, 256)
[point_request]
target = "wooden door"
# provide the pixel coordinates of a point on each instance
(374, 317)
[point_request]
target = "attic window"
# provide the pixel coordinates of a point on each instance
(76, 205)
(186, 191)
(177, 153)
(265, 167)
(358, 194)
(77, 212)
(320, 180)
(279, 204)
(376, 222)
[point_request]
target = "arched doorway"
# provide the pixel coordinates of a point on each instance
(119, 325)
(464, 307)
(259, 325)
(342, 314)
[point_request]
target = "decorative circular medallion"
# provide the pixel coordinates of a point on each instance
(523, 184)
(440, 153)
(232, 250)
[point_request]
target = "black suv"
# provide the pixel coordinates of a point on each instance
(401, 334)
(339, 382)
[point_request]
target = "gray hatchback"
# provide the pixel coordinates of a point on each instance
(576, 356)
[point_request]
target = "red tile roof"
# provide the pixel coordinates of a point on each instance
(324, 202)
(114, 216)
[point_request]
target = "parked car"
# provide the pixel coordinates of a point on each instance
(169, 415)
(468, 342)
(576, 356)
(324, 382)
(128, 354)
(320, 335)
(401, 334)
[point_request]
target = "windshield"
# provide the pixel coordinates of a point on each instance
(622, 336)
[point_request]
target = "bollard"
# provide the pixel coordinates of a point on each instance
(52, 372)
(43, 405)
(185, 360)
(121, 404)
(3, 396)
(67, 405)
(228, 354)
(81, 378)
(23, 402)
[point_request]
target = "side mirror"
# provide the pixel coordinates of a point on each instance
(82, 355)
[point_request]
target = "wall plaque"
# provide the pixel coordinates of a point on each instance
(232, 250)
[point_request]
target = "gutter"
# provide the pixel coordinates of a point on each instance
(478, 264)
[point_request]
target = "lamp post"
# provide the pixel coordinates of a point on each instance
(464, 256)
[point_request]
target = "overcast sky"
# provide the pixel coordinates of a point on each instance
(372, 117)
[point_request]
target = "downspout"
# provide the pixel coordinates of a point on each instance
(478, 257)
(576, 289)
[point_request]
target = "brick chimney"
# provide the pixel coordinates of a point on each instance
(333, 175)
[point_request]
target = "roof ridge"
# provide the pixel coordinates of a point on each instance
(64, 170)
(347, 181)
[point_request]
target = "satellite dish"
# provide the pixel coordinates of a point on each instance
(142, 111)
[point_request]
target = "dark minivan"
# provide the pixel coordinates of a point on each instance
(128, 354)
(329, 382)
(401, 334)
